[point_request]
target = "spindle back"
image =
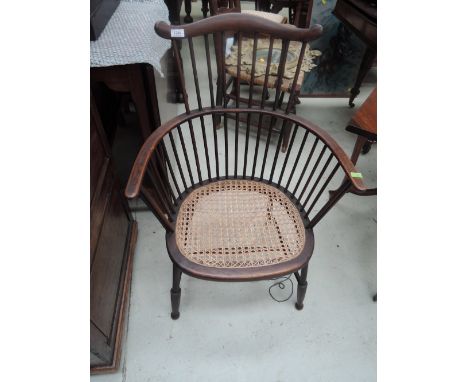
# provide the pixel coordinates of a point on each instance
(253, 36)
(191, 152)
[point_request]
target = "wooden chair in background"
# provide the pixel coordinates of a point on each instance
(233, 207)
(230, 93)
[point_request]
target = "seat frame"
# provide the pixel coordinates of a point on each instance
(241, 274)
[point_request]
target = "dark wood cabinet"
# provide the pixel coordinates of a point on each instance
(113, 238)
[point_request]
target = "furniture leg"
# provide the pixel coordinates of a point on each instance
(205, 8)
(175, 291)
(174, 94)
(302, 287)
(188, 10)
(366, 148)
(360, 142)
(364, 68)
(262, 5)
(358, 148)
(173, 7)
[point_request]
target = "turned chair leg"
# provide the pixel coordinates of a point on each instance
(175, 292)
(301, 287)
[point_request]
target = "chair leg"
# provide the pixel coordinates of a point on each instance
(175, 291)
(301, 287)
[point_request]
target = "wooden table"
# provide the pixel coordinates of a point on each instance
(138, 80)
(364, 125)
(360, 17)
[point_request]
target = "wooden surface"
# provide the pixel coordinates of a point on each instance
(364, 125)
(364, 122)
(237, 22)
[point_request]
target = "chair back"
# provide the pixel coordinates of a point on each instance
(228, 49)
(190, 150)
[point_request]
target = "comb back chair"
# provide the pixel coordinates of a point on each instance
(234, 208)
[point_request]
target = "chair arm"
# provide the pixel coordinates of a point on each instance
(132, 190)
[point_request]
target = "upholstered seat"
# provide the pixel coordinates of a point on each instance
(239, 224)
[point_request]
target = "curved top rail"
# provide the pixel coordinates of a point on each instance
(136, 176)
(238, 22)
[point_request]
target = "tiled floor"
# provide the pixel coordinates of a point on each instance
(235, 331)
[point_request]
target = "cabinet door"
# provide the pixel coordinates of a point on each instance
(113, 236)
(108, 263)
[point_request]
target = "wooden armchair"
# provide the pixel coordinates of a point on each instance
(235, 208)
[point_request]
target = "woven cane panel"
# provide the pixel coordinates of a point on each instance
(239, 224)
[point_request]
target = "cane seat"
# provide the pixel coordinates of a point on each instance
(239, 224)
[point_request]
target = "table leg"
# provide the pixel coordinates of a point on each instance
(262, 5)
(205, 8)
(188, 11)
(360, 142)
(364, 68)
(173, 6)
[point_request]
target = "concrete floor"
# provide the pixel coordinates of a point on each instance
(235, 331)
